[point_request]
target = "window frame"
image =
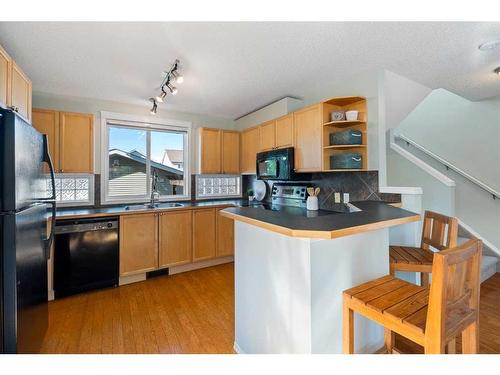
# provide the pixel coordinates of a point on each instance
(148, 124)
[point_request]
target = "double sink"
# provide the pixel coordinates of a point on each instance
(149, 206)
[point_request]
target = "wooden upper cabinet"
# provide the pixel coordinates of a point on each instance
(138, 243)
(204, 236)
(308, 138)
(249, 150)
(76, 136)
(175, 245)
(267, 136)
(20, 92)
(284, 131)
(5, 71)
(211, 151)
(225, 235)
(230, 152)
(47, 122)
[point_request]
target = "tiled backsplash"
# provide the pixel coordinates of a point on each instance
(360, 186)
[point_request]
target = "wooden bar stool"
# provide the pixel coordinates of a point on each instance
(429, 317)
(439, 231)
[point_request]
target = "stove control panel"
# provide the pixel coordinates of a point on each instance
(290, 194)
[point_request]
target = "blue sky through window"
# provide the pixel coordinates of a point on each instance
(127, 139)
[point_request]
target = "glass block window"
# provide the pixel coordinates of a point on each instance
(72, 190)
(218, 186)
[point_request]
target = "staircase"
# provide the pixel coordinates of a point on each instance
(462, 194)
(488, 262)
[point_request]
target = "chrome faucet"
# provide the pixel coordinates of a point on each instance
(155, 195)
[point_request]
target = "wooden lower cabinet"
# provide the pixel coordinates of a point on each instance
(138, 243)
(225, 235)
(151, 241)
(204, 234)
(175, 244)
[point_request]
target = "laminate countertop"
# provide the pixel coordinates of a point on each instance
(373, 215)
(90, 212)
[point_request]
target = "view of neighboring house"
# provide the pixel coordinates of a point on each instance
(127, 172)
(174, 158)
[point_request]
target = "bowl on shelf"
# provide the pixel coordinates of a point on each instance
(351, 115)
(337, 116)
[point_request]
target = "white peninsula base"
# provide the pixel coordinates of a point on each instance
(288, 290)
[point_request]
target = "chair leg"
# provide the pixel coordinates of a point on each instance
(451, 347)
(434, 347)
(347, 329)
(424, 279)
(470, 339)
(389, 340)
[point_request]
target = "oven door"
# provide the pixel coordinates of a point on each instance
(268, 169)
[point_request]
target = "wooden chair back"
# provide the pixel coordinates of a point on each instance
(454, 292)
(439, 231)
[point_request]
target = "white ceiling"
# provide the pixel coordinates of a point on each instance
(231, 69)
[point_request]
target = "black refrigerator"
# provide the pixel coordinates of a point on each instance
(25, 208)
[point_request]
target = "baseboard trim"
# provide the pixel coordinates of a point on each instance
(198, 265)
(124, 280)
(237, 348)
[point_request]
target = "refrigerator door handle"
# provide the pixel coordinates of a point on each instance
(52, 200)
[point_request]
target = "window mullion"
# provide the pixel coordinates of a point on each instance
(148, 163)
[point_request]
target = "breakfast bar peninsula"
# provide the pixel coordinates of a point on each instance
(291, 267)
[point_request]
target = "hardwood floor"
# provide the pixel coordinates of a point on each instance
(192, 312)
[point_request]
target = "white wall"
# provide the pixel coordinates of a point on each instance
(398, 97)
(94, 106)
(465, 133)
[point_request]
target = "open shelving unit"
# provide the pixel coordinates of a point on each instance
(346, 103)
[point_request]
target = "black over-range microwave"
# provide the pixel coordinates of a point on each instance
(276, 164)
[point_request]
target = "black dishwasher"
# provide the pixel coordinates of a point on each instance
(86, 255)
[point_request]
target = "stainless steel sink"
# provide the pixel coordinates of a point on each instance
(149, 206)
(146, 206)
(169, 205)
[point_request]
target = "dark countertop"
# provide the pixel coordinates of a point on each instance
(80, 212)
(373, 215)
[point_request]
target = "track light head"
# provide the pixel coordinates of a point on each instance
(160, 97)
(178, 78)
(172, 89)
(155, 106)
(497, 71)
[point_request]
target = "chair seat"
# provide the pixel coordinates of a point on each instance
(412, 259)
(391, 299)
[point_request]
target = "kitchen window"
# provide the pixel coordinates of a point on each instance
(218, 186)
(72, 189)
(133, 150)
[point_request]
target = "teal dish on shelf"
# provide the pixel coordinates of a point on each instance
(351, 160)
(347, 137)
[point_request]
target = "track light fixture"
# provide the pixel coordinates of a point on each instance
(170, 77)
(497, 71)
(155, 106)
